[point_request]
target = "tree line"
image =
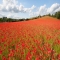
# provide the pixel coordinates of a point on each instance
(56, 15)
(5, 19)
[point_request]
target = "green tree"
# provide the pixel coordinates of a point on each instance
(58, 15)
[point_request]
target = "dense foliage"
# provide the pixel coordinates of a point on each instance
(56, 15)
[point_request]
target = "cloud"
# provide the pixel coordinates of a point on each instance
(10, 15)
(11, 6)
(58, 9)
(1, 15)
(33, 7)
(21, 8)
(8, 6)
(6, 2)
(29, 10)
(43, 10)
(53, 8)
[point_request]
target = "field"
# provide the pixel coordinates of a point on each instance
(37, 39)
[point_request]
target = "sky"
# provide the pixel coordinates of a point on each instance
(28, 8)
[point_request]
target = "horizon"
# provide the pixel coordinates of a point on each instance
(26, 9)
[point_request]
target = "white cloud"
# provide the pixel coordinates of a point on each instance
(11, 6)
(6, 2)
(33, 7)
(43, 10)
(58, 9)
(8, 6)
(21, 8)
(29, 10)
(1, 15)
(10, 15)
(53, 8)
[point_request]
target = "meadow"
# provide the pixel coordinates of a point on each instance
(37, 39)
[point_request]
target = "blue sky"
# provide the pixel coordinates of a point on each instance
(38, 3)
(28, 8)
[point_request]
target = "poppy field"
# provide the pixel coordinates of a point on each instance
(37, 39)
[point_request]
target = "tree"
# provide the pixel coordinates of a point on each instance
(49, 14)
(1, 20)
(58, 15)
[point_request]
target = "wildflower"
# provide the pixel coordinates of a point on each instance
(11, 54)
(37, 58)
(28, 56)
(4, 58)
(0, 51)
(58, 56)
